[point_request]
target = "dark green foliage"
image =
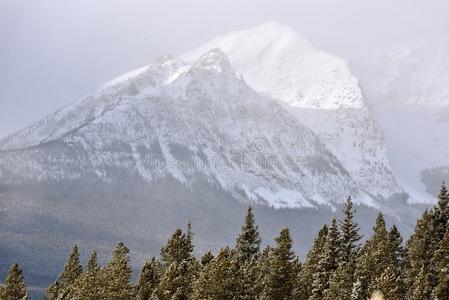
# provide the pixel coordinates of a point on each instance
(248, 242)
(117, 275)
(177, 282)
(279, 282)
(303, 288)
(149, 279)
(327, 263)
(178, 248)
(15, 288)
(90, 285)
(441, 290)
(221, 279)
(72, 271)
(206, 258)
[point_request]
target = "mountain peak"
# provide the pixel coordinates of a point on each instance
(213, 60)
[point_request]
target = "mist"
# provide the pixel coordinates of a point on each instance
(54, 52)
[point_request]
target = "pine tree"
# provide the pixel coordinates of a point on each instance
(350, 235)
(178, 248)
(177, 281)
(440, 216)
(149, 279)
(221, 279)
(421, 288)
(373, 260)
(327, 264)
(303, 287)
(420, 254)
(206, 258)
(248, 242)
(15, 288)
(280, 280)
(72, 271)
(340, 283)
(117, 275)
(90, 285)
(442, 268)
(389, 283)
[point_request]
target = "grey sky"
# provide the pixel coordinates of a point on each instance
(53, 52)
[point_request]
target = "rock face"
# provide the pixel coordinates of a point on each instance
(320, 91)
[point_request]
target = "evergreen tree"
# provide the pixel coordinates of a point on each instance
(15, 288)
(149, 279)
(90, 285)
(206, 258)
(327, 264)
(442, 269)
(440, 216)
(389, 283)
(280, 280)
(374, 259)
(248, 242)
(340, 283)
(422, 289)
(221, 279)
(303, 287)
(177, 281)
(420, 254)
(117, 275)
(178, 248)
(72, 270)
(350, 235)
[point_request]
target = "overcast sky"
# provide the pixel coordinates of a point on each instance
(53, 52)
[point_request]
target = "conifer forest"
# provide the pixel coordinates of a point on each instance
(338, 266)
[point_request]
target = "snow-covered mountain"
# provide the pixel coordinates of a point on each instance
(185, 121)
(407, 87)
(319, 90)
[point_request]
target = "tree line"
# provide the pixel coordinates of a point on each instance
(338, 266)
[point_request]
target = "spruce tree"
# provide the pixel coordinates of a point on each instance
(248, 242)
(340, 283)
(90, 285)
(206, 258)
(420, 255)
(374, 258)
(221, 279)
(350, 235)
(442, 268)
(149, 279)
(327, 264)
(440, 218)
(303, 287)
(117, 275)
(280, 280)
(15, 288)
(178, 248)
(72, 271)
(421, 289)
(177, 281)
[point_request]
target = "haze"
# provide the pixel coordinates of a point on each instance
(53, 52)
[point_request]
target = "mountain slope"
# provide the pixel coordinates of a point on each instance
(187, 122)
(320, 90)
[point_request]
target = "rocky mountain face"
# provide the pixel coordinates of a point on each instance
(320, 91)
(257, 117)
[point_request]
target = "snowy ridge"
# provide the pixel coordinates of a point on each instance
(188, 122)
(320, 90)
